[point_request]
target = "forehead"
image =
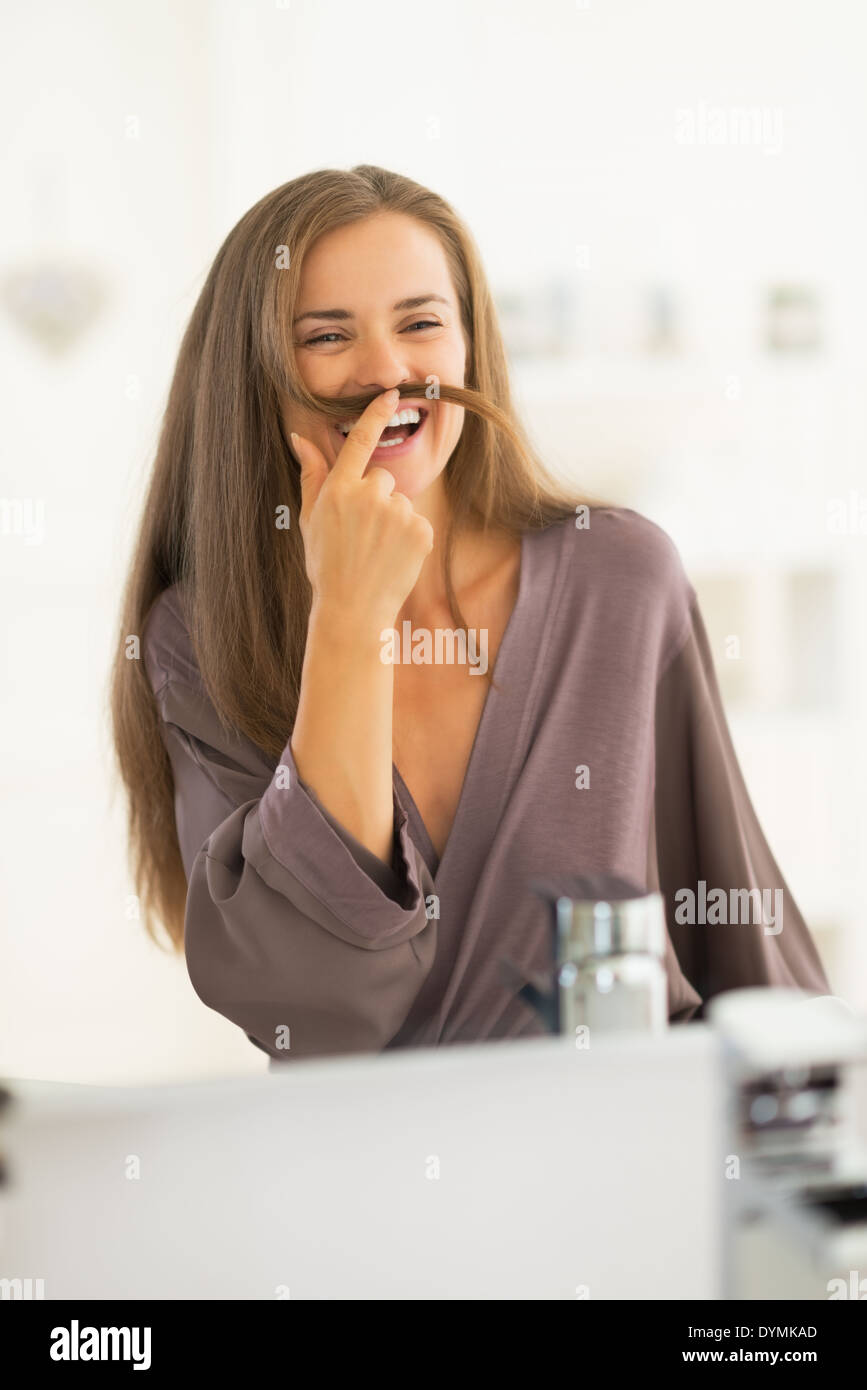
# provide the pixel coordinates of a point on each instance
(384, 257)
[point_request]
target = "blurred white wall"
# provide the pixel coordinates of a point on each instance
(134, 139)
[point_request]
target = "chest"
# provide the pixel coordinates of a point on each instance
(436, 714)
(435, 722)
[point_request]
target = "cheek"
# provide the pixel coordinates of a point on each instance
(460, 416)
(450, 425)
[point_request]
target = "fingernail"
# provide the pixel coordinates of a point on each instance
(392, 395)
(294, 437)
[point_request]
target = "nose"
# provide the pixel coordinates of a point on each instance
(379, 366)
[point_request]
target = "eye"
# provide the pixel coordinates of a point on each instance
(321, 338)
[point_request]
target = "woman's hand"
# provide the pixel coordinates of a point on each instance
(364, 544)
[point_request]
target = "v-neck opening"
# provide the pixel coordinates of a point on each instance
(505, 641)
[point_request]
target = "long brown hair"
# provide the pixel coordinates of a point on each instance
(223, 469)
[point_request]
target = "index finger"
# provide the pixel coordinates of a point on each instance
(365, 435)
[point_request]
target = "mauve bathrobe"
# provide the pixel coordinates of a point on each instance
(313, 946)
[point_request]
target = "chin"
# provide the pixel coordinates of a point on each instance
(409, 481)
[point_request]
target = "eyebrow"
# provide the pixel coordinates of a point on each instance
(414, 303)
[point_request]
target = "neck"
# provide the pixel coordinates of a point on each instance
(472, 558)
(428, 592)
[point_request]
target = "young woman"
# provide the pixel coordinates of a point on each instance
(341, 841)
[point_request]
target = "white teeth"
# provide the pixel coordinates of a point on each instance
(410, 416)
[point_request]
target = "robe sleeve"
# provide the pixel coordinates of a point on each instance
(293, 929)
(705, 835)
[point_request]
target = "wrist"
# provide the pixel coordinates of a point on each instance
(361, 627)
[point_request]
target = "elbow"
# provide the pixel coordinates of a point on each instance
(296, 987)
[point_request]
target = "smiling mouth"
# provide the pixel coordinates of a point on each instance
(393, 434)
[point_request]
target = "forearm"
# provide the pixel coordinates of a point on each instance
(342, 739)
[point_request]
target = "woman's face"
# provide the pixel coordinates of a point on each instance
(354, 332)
